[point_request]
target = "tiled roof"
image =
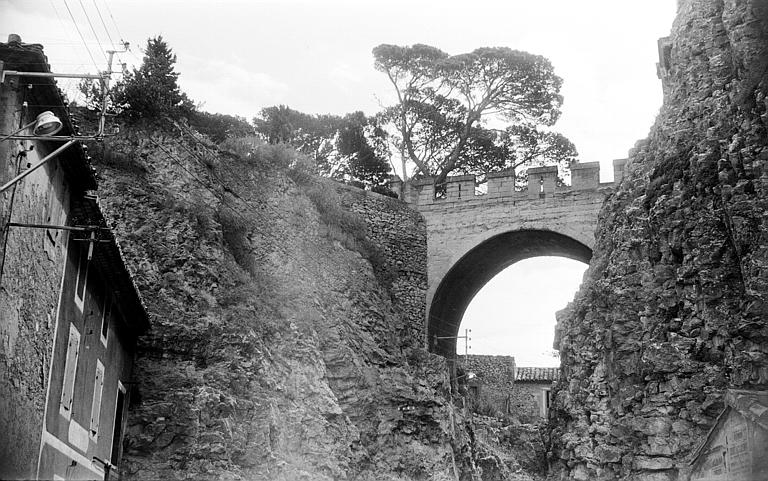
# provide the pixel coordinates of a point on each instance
(537, 374)
(29, 57)
(109, 260)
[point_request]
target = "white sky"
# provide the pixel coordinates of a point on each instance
(514, 314)
(315, 56)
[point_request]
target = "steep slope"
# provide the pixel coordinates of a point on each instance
(286, 321)
(674, 307)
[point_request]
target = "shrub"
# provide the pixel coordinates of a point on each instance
(330, 207)
(219, 127)
(235, 234)
(263, 157)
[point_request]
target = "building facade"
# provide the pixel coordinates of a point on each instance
(69, 311)
(531, 397)
(736, 448)
(495, 386)
(489, 382)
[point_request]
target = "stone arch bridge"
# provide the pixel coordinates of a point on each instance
(471, 238)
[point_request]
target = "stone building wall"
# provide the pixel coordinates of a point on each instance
(31, 260)
(30, 280)
(673, 309)
(489, 381)
(527, 398)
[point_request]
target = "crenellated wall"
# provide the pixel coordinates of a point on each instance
(584, 177)
(471, 238)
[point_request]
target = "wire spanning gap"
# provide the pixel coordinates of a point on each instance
(111, 42)
(109, 11)
(178, 162)
(81, 35)
(93, 30)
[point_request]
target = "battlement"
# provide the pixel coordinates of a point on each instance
(542, 183)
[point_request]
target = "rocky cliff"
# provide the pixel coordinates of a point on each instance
(287, 321)
(674, 307)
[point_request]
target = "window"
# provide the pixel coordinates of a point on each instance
(106, 312)
(98, 387)
(117, 433)
(546, 401)
(82, 276)
(70, 370)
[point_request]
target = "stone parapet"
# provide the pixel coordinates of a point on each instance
(542, 183)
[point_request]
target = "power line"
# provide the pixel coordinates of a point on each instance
(211, 151)
(106, 30)
(88, 19)
(61, 21)
(104, 25)
(81, 35)
(178, 162)
(109, 11)
(67, 84)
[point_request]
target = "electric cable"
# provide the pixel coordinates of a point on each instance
(106, 30)
(178, 162)
(216, 153)
(117, 28)
(111, 42)
(81, 35)
(68, 83)
(63, 25)
(93, 30)
(109, 11)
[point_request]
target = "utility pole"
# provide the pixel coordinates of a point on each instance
(467, 347)
(466, 338)
(105, 85)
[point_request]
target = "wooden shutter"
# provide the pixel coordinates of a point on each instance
(98, 387)
(70, 370)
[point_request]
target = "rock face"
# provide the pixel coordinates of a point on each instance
(674, 308)
(509, 451)
(287, 323)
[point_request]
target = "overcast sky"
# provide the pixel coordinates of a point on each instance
(237, 57)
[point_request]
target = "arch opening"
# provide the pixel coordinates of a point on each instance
(465, 278)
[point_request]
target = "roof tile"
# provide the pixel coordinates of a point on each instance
(537, 374)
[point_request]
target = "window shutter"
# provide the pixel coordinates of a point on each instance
(70, 370)
(98, 387)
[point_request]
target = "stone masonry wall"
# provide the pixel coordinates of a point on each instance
(673, 309)
(454, 227)
(401, 233)
(494, 377)
(31, 270)
(526, 400)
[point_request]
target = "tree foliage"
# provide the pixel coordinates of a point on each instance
(152, 90)
(219, 127)
(350, 148)
(448, 109)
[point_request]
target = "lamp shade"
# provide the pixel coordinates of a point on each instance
(47, 124)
